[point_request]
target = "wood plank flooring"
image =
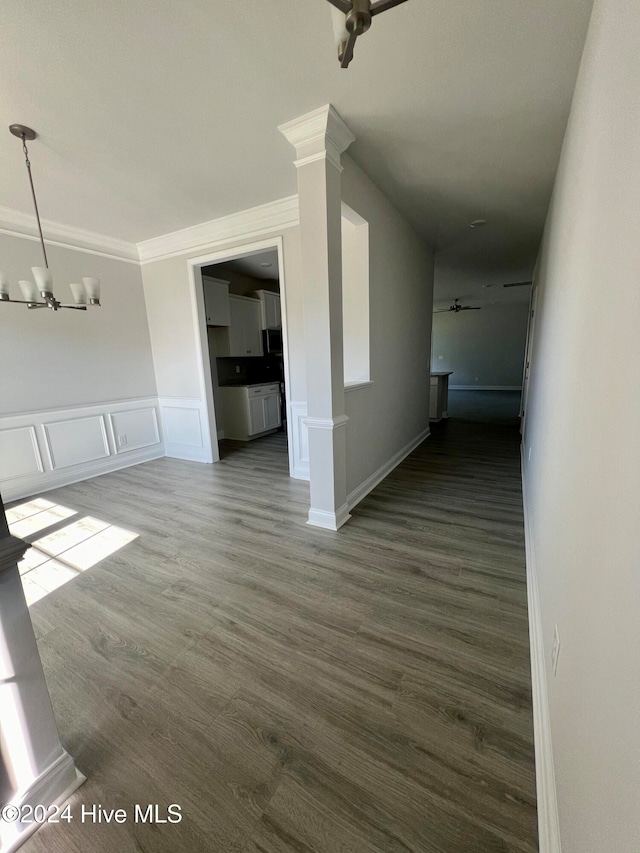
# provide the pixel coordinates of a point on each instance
(295, 689)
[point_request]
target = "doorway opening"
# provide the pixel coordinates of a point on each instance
(244, 350)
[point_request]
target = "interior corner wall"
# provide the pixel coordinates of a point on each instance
(388, 417)
(84, 369)
(485, 348)
(582, 483)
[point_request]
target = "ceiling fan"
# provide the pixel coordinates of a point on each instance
(352, 18)
(457, 307)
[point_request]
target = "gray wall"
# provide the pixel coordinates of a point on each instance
(483, 348)
(582, 482)
(73, 358)
(388, 414)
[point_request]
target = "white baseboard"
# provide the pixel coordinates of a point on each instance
(45, 450)
(329, 520)
(361, 491)
(53, 787)
(548, 819)
(485, 387)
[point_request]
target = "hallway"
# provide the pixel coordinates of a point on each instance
(294, 689)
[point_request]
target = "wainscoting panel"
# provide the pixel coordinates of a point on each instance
(76, 441)
(43, 450)
(182, 424)
(134, 430)
(19, 453)
(300, 435)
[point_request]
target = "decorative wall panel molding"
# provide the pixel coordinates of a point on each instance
(134, 429)
(45, 450)
(300, 435)
(19, 453)
(182, 419)
(75, 441)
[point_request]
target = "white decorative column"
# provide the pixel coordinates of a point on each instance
(35, 769)
(319, 138)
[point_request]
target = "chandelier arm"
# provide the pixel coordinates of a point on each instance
(343, 5)
(33, 194)
(383, 5)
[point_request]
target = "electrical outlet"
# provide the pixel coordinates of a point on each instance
(440, 357)
(237, 368)
(530, 449)
(555, 652)
(476, 378)
(122, 440)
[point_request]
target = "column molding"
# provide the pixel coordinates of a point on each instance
(319, 138)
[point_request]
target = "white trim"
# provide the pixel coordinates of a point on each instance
(359, 383)
(17, 224)
(548, 819)
(299, 446)
(250, 224)
(218, 256)
(329, 520)
(354, 497)
(321, 125)
(50, 477)
(52, 787)
(187, 450)
(485, 387)
(326, 423)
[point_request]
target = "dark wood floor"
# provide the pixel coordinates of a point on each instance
(295, 689)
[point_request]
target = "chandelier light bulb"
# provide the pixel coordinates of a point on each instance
(29, 290)
(92, 286)
(79, 293)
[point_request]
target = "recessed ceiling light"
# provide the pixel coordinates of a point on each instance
(477, 223)
(266, 264)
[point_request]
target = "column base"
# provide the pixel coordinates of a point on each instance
(52, 787)
(327, 520)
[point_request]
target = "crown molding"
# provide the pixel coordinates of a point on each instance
(247, 224)
(18, 224)
(322, 133)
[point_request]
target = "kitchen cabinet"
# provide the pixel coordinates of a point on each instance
(271, 315)
(216, 301)
(243, 337)
(250, 411)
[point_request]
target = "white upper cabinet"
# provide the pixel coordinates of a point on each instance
(216, 301)
(243, 337)
(270, 307)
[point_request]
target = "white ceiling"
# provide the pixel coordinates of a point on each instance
(156, 115)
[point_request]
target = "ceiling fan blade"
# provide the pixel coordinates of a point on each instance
(518, 284)
(343, 5)
(442, 310)
(383, 5)
(347, 56)
(470, 308)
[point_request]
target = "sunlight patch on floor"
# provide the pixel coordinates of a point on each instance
(62, 555)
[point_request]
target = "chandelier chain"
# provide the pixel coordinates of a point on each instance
(35, 202)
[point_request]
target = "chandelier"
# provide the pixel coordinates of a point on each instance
(84, 293)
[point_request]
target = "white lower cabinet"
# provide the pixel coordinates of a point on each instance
(250, 411)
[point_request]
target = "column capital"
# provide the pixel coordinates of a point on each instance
(318, 135)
